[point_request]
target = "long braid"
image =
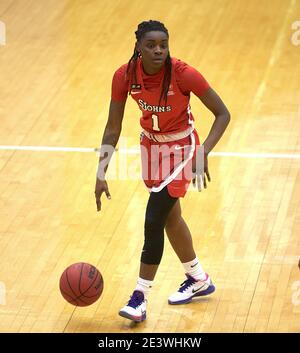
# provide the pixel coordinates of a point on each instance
(131, 68)
(144, 27)
(166, 81)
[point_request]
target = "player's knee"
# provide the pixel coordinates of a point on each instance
(153, 226)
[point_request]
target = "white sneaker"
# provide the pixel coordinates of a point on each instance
(135, 310)
(192, 288)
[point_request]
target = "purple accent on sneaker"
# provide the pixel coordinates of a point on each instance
(133, 318)
(207, 291)
(187, 283)
(136, 299)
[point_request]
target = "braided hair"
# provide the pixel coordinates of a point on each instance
(143, 28)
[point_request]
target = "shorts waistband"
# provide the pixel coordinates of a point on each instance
(169, 137)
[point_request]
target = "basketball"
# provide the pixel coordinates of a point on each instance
(81, 284)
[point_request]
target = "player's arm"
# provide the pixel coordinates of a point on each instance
(109, 141)
(191, 80)
(222, 117)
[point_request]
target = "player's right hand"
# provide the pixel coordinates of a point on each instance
(101, 186)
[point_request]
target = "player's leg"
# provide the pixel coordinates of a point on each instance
(179, 234)
(158, 207)
(198, 282)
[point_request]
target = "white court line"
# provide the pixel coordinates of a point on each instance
(256, 155)
(137, 151)
(232, 154)
(47, 148)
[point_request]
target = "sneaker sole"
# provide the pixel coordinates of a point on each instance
(207, 291)
(131, 317)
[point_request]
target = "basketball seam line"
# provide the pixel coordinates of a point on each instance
(91, 286)
(76, 297)
(65, 293)
(82, 265)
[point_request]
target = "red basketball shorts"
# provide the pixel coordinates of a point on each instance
(168, 163)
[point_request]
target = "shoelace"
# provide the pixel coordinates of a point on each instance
(186, 284)
(136, 299)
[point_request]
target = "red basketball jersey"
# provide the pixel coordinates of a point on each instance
(167, 117)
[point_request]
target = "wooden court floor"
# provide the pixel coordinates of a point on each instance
(55, 79)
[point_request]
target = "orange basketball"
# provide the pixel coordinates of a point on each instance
(81, 284)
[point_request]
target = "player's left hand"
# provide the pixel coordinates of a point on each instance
(200, 174)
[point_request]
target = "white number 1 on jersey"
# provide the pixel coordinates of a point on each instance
(155, 125)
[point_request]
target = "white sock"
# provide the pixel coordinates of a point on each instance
(143, 285)
(194, 269)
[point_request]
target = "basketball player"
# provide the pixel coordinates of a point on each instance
(161, 86)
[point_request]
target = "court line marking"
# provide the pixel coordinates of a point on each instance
(47, 148)
(137, 151)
